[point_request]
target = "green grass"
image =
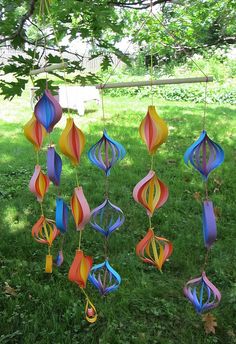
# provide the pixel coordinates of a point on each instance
(149, 307)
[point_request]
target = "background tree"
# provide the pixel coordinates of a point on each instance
(179, 29)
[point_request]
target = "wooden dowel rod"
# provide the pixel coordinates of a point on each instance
(157, 82)
(51, 68)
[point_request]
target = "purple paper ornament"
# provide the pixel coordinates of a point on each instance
(54, 166)
(104, 278)
(48, 111)
(106, 152)
(205, 155)
(106, 218)
(202, 294)
(209, 224)
(59, 259)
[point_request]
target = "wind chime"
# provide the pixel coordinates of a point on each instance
(107, 217)
(204, 155)
(47, 113)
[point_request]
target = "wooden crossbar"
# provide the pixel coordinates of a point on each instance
(173, 81)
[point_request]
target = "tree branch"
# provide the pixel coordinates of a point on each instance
(24, 18)
(139, 5)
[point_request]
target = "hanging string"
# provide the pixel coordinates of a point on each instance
(151, 55)
(80, 238)
(37, 157)
(205, 107)
(150, 221)
(126, 50)
(103, 108)
(61, 55)
(152, 162)
(41, 207)
(42, 15)
(177, 39)
(206, 260)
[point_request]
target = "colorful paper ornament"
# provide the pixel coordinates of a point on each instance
(153, 130)
(54, 166)
(151, 193)
(106, 218)
(48, 111)
(209, 224)
(45, 231)
(62, 214)
(34, 132)
(72, 141)
(80, 269)
(80, 208)
(105, 153)
(154, 250)
(104, 278)
(204, 155)
(39, 183)
(78, 273)
(202, 294)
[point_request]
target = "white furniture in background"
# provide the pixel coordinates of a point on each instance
(73, 97)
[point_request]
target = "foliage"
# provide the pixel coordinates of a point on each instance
(196, 94)
(149, 307)
(177, 30)
(184, 28)
(222, 90)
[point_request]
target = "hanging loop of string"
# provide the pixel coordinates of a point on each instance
(177, 39)
(126, 50)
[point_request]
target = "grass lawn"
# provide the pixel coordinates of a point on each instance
(149, 307)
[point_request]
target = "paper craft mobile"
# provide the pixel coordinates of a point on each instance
(152, 193)
(204, 155)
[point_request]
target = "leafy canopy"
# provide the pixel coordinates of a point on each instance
(37, 29)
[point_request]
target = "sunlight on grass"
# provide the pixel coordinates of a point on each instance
(13, 220)
(148, 307)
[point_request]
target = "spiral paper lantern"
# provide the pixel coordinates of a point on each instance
(153, 130)
(151, 193)
(204, 155)
(39, 183)
(35, 132)
(80, 208)
(202, 294)
(105, 153)
(72, 142)
(48, 111)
